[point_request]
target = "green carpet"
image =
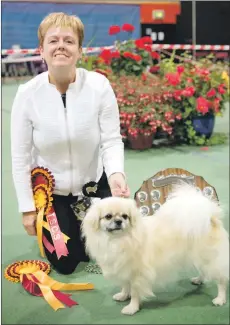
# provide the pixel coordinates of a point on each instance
(183, 303)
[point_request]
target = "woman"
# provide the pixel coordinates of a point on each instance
(66, 120)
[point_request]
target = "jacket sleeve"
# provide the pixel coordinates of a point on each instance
(112, 147)
(21, 151)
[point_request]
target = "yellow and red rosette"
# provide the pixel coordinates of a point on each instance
(43, 184)
(33, 275)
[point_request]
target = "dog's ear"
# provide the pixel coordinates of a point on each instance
(134, 212)
(91, 220)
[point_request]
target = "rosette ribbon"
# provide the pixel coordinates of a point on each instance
(43, 185)
(34, 278)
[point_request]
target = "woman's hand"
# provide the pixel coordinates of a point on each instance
(29, 222)
(118, 185)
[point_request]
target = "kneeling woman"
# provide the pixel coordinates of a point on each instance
(67, 120)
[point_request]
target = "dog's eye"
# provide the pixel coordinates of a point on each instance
(125, 216)
(108, 216)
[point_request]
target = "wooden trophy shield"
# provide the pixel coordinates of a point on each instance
(156, 190)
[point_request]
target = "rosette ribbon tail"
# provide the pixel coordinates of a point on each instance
(39, 226)
(39, 284)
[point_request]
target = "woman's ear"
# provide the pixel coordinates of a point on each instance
(41, 52)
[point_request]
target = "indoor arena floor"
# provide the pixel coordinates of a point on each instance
(183, 303)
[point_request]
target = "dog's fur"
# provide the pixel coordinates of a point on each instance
(138, 253)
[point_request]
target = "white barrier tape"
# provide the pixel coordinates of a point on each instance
(154, 47)
(10, 59)
(36, 51)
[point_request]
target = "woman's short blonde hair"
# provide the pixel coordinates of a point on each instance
(60, 19)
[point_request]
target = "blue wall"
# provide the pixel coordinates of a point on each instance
(20, 21)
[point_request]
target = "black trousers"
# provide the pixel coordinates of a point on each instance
(70, 226)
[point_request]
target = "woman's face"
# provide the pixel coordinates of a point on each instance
(60, 47)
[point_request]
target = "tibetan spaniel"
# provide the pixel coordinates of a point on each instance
(140, 254)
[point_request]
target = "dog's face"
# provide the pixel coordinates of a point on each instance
(112, 215)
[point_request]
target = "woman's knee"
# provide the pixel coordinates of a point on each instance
(65, 267)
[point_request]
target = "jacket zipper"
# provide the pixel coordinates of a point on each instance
(69, 146)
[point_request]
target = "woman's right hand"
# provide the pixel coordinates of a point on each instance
(29, 222)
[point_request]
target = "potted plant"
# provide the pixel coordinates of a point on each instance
(141, 114)
(198, 92)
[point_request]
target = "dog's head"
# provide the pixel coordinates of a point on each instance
(111, 215)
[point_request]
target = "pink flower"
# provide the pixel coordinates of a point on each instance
(154, 69)
(221, 90)
(180, 69)
(202, 105)
(189, 80)
(216, 104)
(177, 94)
(188, 91)
(211, 93)
(173, 78)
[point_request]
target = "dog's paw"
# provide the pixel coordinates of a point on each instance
(130, 309)
(121, 296)
(219, 301)
(196, 281)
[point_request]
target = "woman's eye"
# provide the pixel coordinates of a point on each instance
(69, 41)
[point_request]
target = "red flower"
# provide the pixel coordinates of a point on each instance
(115, 54)
(114, 30)
(137, 57)
(132, 56)
(128, 28)
(106, 55)
(202, 105)
(155, 55)
(148, 48)
(173, 78)
(128, 55)
(140, 44)
(211, 93)
(178, 116)
(146, 40)
(188, 91)
(180, 69)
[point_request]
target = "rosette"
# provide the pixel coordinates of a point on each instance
(33, 275)
(43, 184)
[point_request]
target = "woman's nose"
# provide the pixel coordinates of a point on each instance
(61, 44)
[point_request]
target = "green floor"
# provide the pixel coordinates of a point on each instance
(181, 304)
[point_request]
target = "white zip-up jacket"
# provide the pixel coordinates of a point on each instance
(74, 143)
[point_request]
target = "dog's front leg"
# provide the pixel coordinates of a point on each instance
(221, 296)
(124, 294)
(134, 304)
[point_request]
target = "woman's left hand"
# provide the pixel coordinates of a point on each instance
(118, 185)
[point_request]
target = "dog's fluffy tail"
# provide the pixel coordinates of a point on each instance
(189, 211)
